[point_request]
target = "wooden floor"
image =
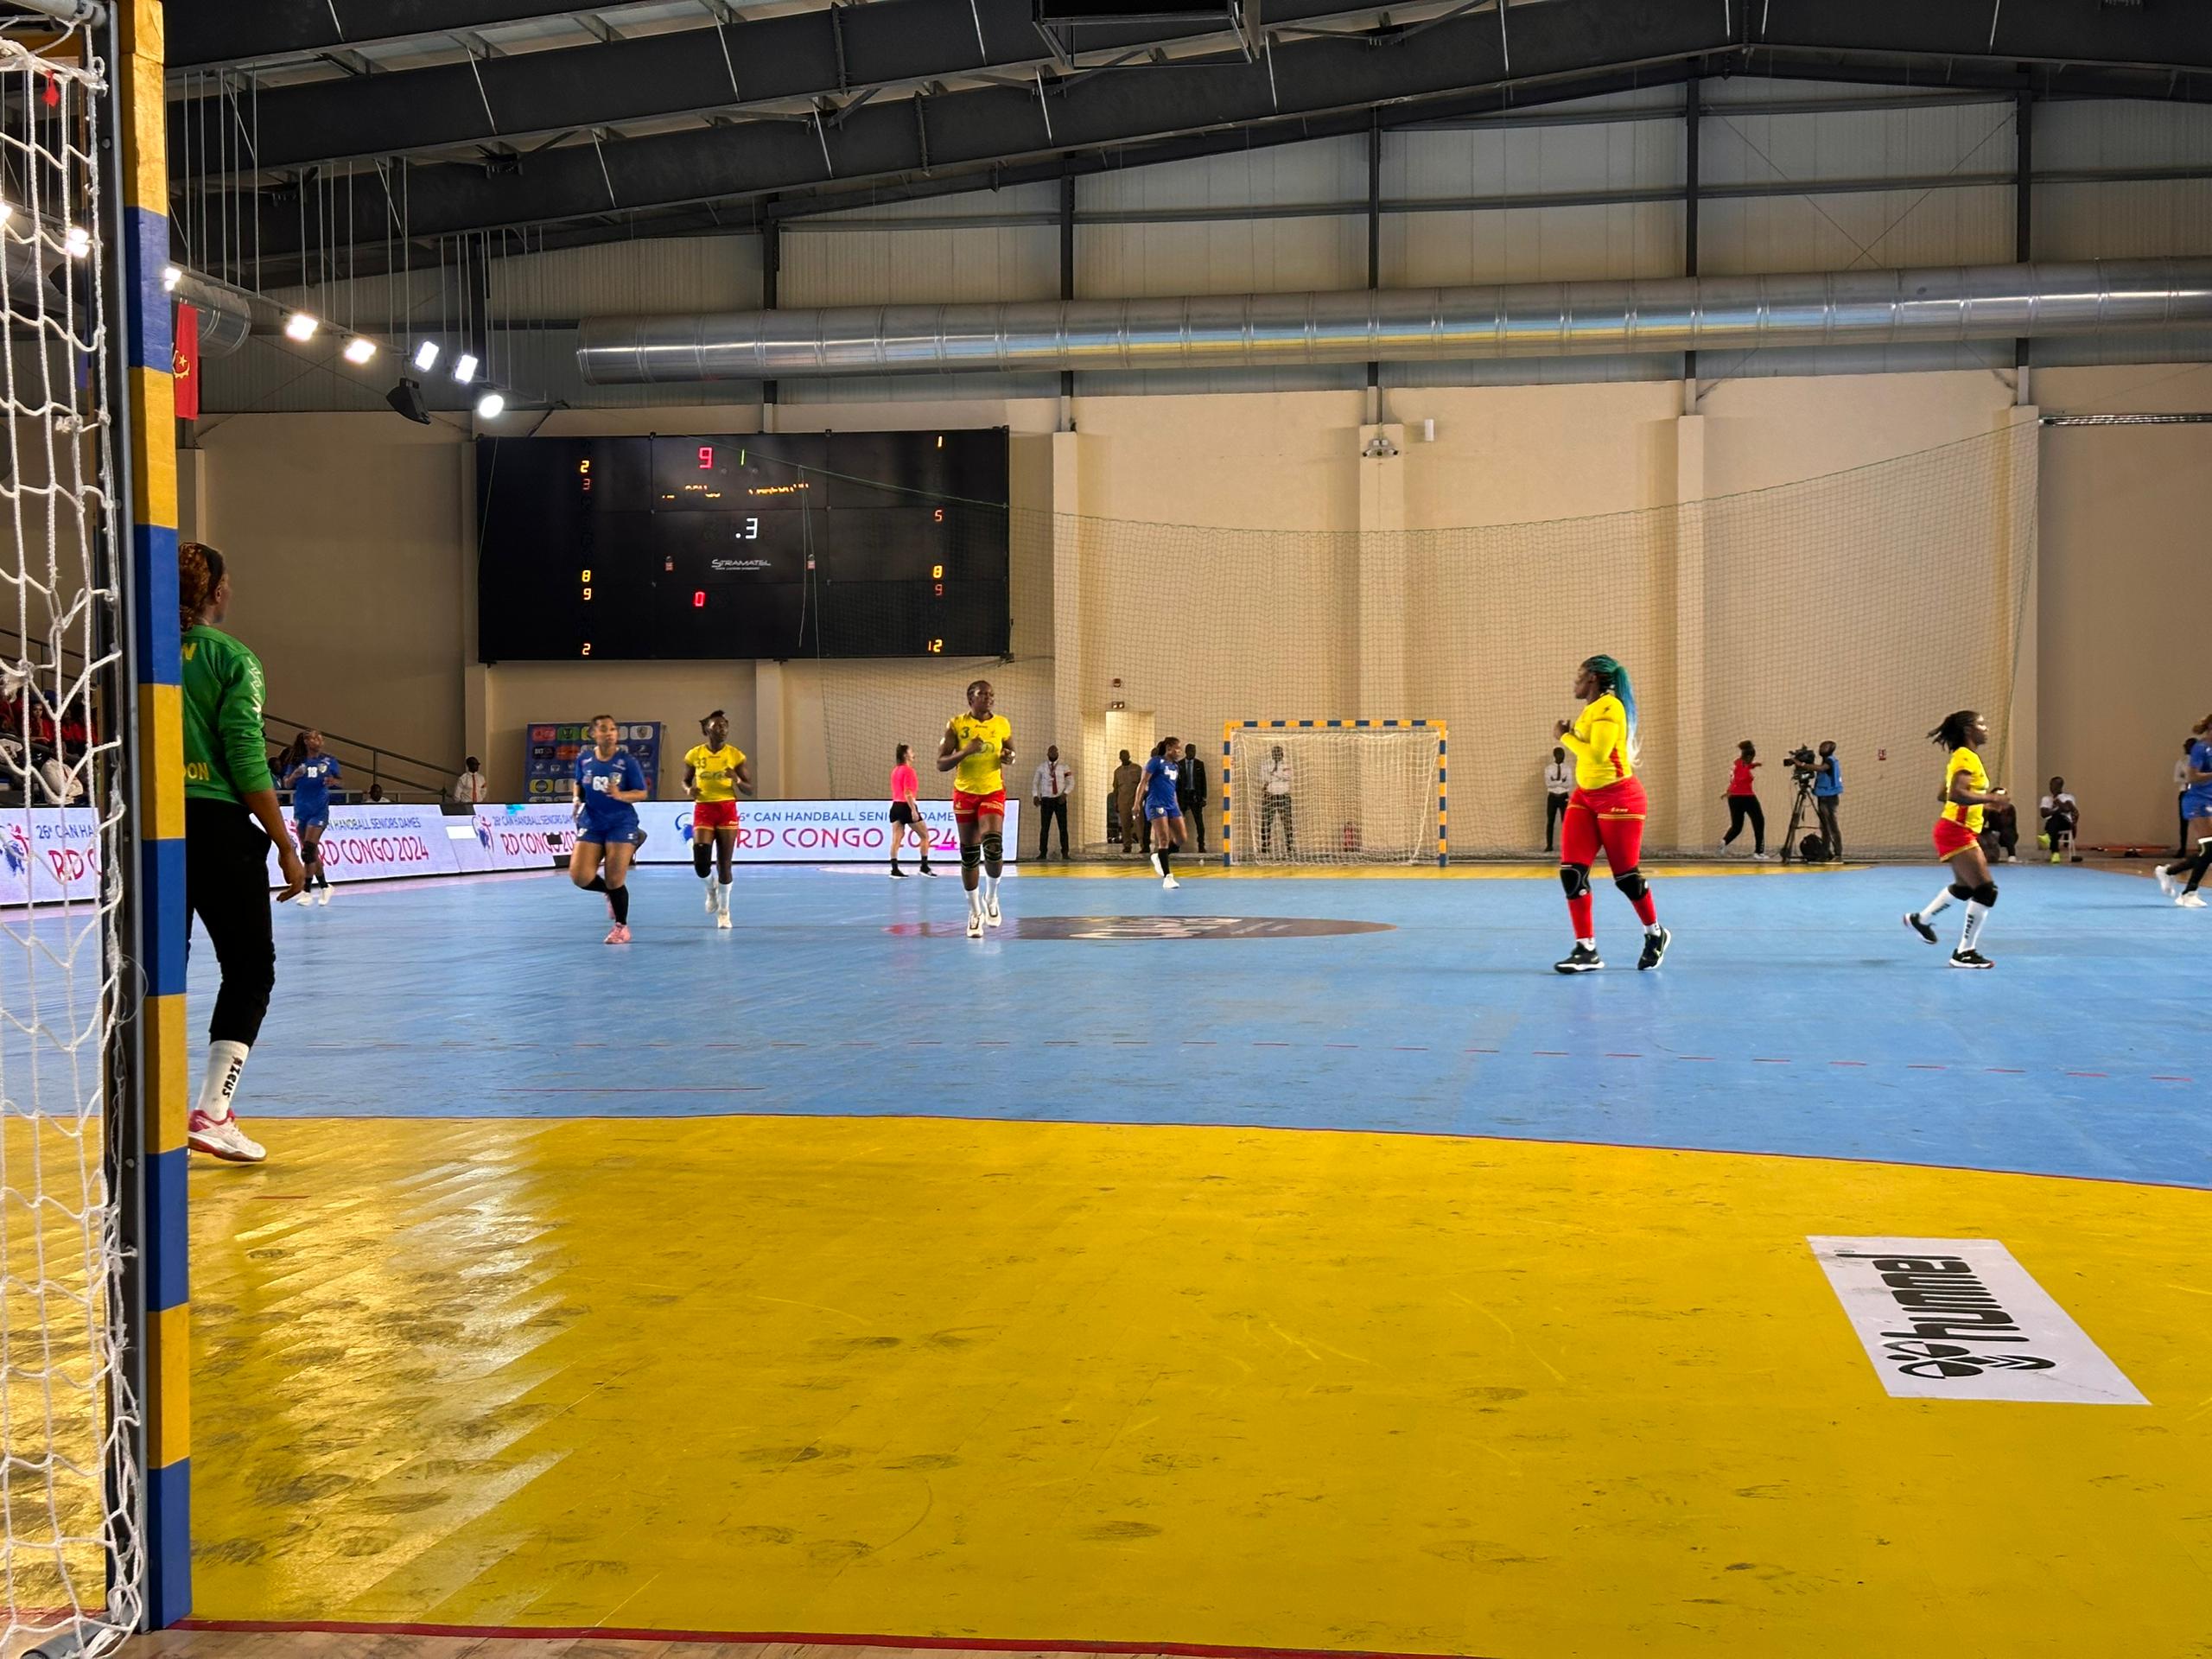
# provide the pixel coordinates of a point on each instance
(218, 1645)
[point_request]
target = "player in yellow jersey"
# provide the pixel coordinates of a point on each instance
(1606, 809)
(712, 773)
(976, 746)
(1958, 835)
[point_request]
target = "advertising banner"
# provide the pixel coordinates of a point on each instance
(550, 751)
(374, 844)
(532, 835)
(809, 832)
(49, 853)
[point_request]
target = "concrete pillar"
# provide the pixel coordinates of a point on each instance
(1690, 762)
(771, 692)
(475, 678)
(1379, 689)
(1078, 707)
(2019, 767)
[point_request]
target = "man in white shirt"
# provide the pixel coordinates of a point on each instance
(1048, 793)
(1558, 783)
(472, 788)
(2061, 816)
(1275, 798)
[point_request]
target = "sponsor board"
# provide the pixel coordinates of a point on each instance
(376, 843)
(48, 854)
(550, 751)
(1958, 1318)
(1149, 927)
(810, 832)
(532, 836)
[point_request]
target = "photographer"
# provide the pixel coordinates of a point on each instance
(1743, 801)
(1828, 795)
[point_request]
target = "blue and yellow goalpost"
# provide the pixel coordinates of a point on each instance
(1229, 729)
(148, 1114)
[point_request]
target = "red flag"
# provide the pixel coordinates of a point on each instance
(186, 363)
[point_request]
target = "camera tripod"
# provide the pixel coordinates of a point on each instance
(1802, 811)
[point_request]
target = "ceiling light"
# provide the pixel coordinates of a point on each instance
(359, 350)
(77, 241)
(464, 368)
(489, 406)
(7, 212)
(426, 356)
(300, 326)
(171, 275)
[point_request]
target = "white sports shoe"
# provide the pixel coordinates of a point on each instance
(323, 895)
(2191, 901)
(1169, 882)
(222, 1138)
(722, 919)
(306, 897)
(991, 909)
(2167, 885)
(975, 924)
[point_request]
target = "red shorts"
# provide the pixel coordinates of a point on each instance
(1953, 837)
(965, 805)
(713, 815)
(1625, 799)
(1611, 818)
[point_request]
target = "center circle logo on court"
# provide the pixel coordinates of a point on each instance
(1149, 927)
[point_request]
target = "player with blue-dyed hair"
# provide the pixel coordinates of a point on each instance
(1606, 809)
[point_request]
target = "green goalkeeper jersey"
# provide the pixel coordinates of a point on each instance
(225, 754)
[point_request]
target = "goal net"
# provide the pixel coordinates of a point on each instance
(69, 1484)
(1328, 792)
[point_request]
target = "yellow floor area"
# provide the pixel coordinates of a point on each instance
(1167, 1385)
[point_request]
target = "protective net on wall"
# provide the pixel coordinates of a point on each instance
(69, 1489)
(1861, 607)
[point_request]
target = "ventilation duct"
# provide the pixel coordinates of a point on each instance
(1703, 313)
(226, 313)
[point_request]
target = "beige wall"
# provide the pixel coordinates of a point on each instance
(349, 535)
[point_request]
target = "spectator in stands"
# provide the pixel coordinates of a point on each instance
(2061, 819)
(1191, 793)
(1048, 793)
(1828, 796)
(1558, 783)
(1126, 777)
(2182, 848)
(376, 794)
(1275, 798)
(472, 788)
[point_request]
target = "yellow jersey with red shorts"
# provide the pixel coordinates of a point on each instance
(978, 781)
(1960, 827)
(714, 785)
(1608, 796)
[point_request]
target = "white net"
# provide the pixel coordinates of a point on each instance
(1300, 793)
(68, 1482)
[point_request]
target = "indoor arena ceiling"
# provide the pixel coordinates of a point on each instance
(445, 117)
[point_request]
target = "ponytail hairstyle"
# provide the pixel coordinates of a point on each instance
(1952, 734)
(899, 759)
(1747, 749)
(1612, 678)
(199, 573)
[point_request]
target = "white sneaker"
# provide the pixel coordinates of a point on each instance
(306, 897)
(2191, 901)
(323, 895)
(991, 909)
(1169, 882)
(975, 924)
(722, 919)
(1762, 858)
(222, 1138)
(2167, 885)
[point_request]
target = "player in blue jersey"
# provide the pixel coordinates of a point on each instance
(608, 783)
(309, 780)
(2196, 836)
(1163, 813)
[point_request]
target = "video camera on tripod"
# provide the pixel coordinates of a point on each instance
(1804, 764)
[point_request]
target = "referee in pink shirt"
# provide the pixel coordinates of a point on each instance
(906, 811)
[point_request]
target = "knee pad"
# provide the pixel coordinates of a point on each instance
(1632, 886)
(1985, 894)
(1960, 890)
(993, 847)
(971, 857)
(1575, 878)
(701, 856)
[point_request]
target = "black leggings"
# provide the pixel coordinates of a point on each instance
(227, 885)
(1739, 808)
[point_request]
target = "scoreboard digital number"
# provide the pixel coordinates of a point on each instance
(832, 544)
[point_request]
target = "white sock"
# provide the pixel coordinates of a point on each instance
(1938, 903)
(1650, 928)
(1977, 913)
(722, 895)
(220, 1080)
(1590, 944)
(975, 901)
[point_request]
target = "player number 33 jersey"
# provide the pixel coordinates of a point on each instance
(980, 773)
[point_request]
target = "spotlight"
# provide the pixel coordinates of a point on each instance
(406, 398)
(489, 406)
(171, 275)
(464, 368)
(7, 212)
(300, 326)
(426, 357)
(359, 350)
(77, 241)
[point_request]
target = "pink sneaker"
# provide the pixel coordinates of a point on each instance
(618, 935)
(221, 1137)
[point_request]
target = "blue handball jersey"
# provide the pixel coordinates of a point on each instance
(311, 781)
(1160, 777)
(2197, 800)
(595, 778)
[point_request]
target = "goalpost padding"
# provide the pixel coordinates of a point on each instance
(1361, 792)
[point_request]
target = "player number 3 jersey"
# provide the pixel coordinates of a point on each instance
(715, 771)
(980, 773)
